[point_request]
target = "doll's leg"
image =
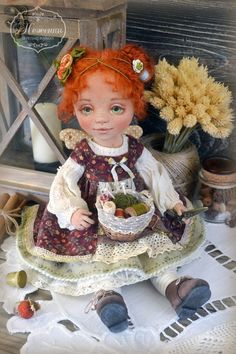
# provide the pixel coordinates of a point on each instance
(111, 309)
(185, 294)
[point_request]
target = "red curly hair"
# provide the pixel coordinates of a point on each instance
(118, 72)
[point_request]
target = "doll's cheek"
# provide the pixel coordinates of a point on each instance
(85, 125)
(122, 124)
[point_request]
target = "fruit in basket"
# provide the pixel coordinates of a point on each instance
(104, 197)
(109, 207)
(125, 200)
(120, 213)
(137, 209)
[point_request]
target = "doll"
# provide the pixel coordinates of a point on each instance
(104, 89)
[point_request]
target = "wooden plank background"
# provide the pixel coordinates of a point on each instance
(176, 28)
(73, 4)
(173, 29)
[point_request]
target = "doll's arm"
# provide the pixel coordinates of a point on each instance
(65, 196)
(158, 181)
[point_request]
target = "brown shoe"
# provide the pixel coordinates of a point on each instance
(186, 295)
(111, 309)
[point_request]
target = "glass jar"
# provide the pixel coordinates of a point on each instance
(217, 190)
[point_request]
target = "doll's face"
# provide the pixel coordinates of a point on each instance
(103, 113)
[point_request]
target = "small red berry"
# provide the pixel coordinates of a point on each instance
(27, 308)
(120, 213)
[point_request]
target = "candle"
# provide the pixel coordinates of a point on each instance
(42, 152)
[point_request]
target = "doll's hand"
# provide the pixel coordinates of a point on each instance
(80, 219)
(179, 208)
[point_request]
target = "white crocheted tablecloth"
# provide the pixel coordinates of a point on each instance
(155, 327)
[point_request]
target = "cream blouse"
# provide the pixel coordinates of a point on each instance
(65, 196)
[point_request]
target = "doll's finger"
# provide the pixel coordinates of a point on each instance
(179, 208)
(86, 212)
(88, 220)
(85, 224)
(178, 211)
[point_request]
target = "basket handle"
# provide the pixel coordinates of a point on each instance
(147, 195)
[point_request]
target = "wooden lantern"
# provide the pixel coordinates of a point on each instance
(95, 23)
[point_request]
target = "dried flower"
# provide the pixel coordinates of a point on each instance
(205, 100)
(171, 102)
(223, 132)
(187, 98)
(175, 126)
(204, 119)
(180, 111)
(167, 113)
(157, 102)
(190, 121)
(210, 129)
(213, 111)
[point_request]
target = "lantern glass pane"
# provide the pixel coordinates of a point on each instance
(28, 67)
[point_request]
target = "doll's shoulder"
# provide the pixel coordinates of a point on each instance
(135, 131)
(82, 152)
(135, 148)
(72, 137)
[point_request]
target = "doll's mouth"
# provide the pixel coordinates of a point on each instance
(103, 130)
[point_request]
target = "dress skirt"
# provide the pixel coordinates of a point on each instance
(110, 264)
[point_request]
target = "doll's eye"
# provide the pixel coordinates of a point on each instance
(86, 110)
(116, 109)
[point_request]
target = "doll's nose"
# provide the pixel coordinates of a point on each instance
(101, 118)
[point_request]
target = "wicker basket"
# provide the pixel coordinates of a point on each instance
(130, 229)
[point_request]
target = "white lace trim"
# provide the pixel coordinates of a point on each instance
(106, 151)
(220, 339)
(116, 279)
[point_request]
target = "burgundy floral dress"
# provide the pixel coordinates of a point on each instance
(47, 232)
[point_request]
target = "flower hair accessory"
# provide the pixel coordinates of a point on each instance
(64, 66)
(138, 68)
(137, 65)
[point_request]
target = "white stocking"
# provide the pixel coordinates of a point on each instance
(162, 281)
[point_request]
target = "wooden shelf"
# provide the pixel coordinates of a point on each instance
(19, 179)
